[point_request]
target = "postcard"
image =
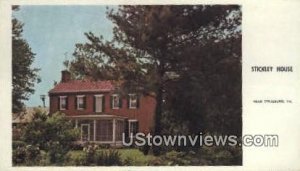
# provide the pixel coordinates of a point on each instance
(155, 85)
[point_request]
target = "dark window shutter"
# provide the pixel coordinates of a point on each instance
(111, 102)
(137, 101)
(84, 102)
(75, 103)
(94, 103)
(67, 102)
(58, 103)
(120, 102)
(103, 103)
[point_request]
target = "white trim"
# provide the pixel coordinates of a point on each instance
(81, 125)
(95, 130)
(98, 95)
(132, 120)
(101, 117)
(60, 100)
(113, 104)
(76, 123)
(114, 131)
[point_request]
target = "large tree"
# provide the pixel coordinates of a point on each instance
(159, 48)
(23, 75)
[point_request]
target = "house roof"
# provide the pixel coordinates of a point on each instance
(74, 86)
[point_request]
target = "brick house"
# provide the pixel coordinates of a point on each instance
(101, 114)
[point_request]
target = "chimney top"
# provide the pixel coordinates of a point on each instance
(65, 76)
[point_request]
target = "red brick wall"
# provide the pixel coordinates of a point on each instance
(144, 113)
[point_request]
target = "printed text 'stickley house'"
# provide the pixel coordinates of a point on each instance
(99, 112)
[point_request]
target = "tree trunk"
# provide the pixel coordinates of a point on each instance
(158, 109)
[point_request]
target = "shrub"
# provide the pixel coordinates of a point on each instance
(19, 155)
(52, 133)
(108, 158)
(28, 155)
(78, 159)
(90, 149)
(175, 158)
(16, 144)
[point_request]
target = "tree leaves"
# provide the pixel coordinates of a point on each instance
(23, 75)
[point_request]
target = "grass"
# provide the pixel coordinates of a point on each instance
(134, 155)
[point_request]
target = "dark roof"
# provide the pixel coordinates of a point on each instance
(74, 86)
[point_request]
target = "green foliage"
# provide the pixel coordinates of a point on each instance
(16, 144)
(92, 156)
(28, 154)
(175, 158)
(54, 134)
(108, 158)
(76, 159)
(23, 75)
(209, 156)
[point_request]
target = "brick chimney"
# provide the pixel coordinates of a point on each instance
(65, 76)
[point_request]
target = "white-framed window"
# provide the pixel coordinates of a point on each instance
(133, 127)
(80, 102)
(62, 102)
(133, 100)
(115, 101)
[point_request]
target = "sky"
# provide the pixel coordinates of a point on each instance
(52, 32)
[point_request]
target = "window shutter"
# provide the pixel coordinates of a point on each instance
(94, 103)
(84, 102)
(137, 101)
(103, 103)
(75, 103)
(58, 103)
(120, 102)
(67, 102)
(111, 102)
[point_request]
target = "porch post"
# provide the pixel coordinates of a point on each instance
(95, 133)
(76, 123)
(114, 130)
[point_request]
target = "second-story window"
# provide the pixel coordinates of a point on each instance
(63, 102)
(115, 101)
(133, 101)
(80, 102)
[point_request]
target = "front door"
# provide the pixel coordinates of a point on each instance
(85, 132)
(98, 103)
